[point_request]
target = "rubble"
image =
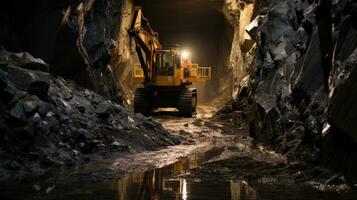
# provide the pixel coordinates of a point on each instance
(104, 109)
(23, 78)
(66, 126)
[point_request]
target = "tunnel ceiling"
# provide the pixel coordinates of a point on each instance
(173, 15)
(194, 24)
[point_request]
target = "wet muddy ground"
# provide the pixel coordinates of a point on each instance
(216, 160)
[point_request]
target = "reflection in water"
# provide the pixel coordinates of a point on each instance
(165, 183)
(241, 190)
(156, 184)
(161, 183)
(184, 190)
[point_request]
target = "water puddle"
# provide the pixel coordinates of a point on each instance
(166, 183)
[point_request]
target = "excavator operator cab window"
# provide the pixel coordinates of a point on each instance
(165, 64)
(177, 61)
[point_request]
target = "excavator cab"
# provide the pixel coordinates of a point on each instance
(166, 68)
(165, 75)
(174, 68)
(165, 65)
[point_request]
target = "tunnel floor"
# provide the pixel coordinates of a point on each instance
(216, 160)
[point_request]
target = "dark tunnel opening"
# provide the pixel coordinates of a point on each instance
(200, 27)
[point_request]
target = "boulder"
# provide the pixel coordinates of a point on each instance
(26, 79)
(104, 109)
(82, 104)
(44, 108)
(280, 53)
(31, 103)
(38, 66)
(265, 100)
(26, 60)
(17, 114)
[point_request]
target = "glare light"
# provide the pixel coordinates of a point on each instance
(185, 55)
(184, 190)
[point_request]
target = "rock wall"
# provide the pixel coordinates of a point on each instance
(124, 56)
(304, 81)
(48, 121)
(242, 15)
(77, 38)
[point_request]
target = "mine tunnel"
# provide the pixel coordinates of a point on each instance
(261, 98)
(199, 26)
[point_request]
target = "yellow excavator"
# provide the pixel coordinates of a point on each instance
(165, 75)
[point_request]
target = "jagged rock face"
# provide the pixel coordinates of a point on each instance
(342, 104)
(74, 37)
(243, 17)
(289, 79)
(123, 51)
(305, 62)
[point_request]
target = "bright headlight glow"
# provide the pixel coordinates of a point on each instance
(185, 55)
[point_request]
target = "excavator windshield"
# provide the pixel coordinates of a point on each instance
(165, 64)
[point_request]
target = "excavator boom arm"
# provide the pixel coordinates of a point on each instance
(146, 40)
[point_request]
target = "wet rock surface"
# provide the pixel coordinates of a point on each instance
(65, 125)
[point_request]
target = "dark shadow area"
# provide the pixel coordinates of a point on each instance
(31, 26)
(73, 37)
(338, 152)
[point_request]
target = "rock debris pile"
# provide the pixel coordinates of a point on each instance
(47, 121)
